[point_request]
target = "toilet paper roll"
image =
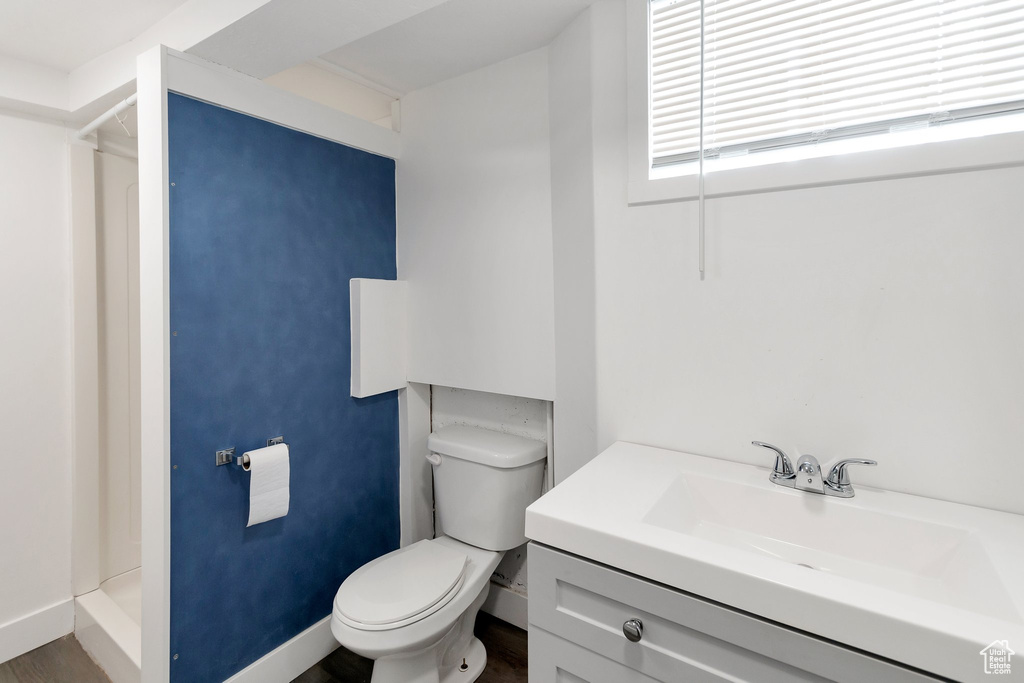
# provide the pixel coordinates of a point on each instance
(268, 486)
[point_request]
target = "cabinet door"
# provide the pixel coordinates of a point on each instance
(685, 637)
(556, 660)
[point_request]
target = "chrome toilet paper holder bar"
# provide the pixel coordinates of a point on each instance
(226, 455)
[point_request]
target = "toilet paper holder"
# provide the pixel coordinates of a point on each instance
(225, 456)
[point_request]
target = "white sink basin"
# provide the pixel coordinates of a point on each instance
(920, 581)
(939, 562)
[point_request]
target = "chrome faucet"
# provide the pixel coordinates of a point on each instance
(807, 475)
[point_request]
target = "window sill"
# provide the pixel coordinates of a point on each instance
(948, 156)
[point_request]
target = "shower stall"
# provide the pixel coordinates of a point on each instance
(107, 509)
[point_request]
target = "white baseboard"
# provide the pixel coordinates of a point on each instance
(34, 630)
(287, 661)
(507, 605)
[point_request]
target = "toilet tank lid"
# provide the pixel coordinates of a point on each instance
(486, 446)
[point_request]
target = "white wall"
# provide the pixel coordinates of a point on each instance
(474, 230)
(35, 370)
(571, 92)
(509, 414)
(877, 320)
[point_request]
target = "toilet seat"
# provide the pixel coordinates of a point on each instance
(401, 587)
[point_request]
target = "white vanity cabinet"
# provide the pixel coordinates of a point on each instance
(577, 610)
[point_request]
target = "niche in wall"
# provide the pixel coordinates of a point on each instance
(267, 226)
(513, 415)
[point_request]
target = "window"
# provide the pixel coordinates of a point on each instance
(789, 73)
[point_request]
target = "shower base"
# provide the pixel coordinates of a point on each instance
(108, 624)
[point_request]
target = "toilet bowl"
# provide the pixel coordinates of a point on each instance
(413, 610)
(422, 634)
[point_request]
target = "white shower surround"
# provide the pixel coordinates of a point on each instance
(107, 495)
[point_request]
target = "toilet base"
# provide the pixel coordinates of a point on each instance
(441, 662)
(422, 667)
(476, 660)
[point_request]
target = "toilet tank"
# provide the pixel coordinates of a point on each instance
(483, 482)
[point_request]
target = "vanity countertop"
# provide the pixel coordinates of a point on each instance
(923, 582)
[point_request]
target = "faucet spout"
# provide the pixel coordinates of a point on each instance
(808, 475)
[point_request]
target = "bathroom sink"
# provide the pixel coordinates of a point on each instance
(923, 582)
(936, 561)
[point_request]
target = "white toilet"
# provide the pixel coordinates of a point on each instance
(413, 610)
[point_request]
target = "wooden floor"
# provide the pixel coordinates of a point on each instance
(506, 658)
(62, 661)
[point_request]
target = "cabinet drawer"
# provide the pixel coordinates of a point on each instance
(685, 638)
(556, 660)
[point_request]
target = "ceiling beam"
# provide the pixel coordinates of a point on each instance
(32, 89)
(284, 33)
(185, 27)
(79, 96)
(256, 37)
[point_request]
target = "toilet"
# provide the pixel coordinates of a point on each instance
(413, 610)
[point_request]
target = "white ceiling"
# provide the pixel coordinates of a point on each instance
(65, 34)
(401, 44)
(454, 38)
(284, 33)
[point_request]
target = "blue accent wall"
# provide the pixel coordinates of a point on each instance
(267, 226)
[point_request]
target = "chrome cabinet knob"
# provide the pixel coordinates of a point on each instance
(633, 629)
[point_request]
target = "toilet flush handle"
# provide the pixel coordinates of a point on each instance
(434, 459)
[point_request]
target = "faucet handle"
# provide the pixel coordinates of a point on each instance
(839, 477)
(783, 467)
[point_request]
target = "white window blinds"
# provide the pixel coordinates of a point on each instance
(780, 73)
